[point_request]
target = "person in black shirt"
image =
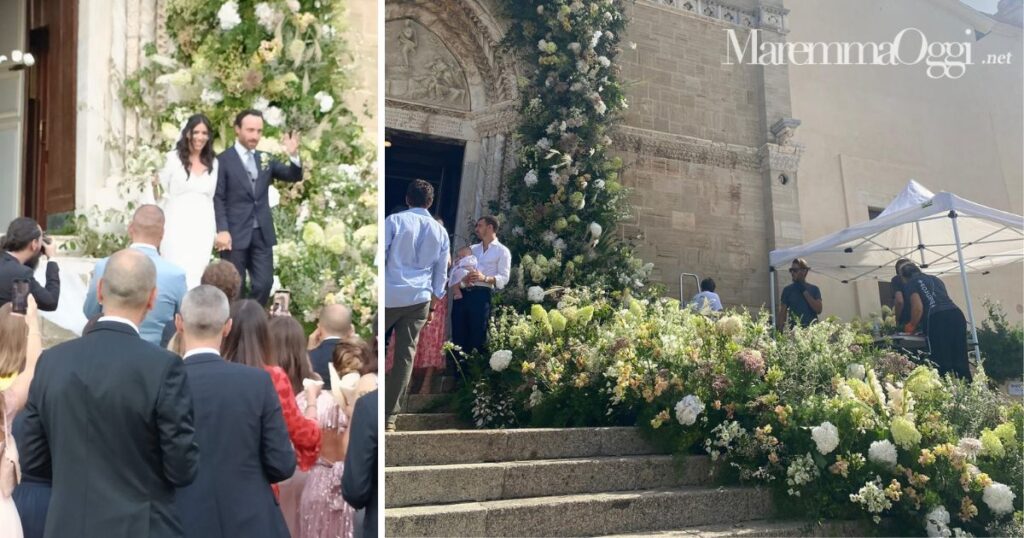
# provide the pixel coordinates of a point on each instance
(900, 305)
(801, 299)
(934, 313)
(22, 247)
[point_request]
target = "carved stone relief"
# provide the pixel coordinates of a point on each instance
(420, 68)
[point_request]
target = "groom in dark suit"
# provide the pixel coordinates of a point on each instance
(245, 229)
(109, 419)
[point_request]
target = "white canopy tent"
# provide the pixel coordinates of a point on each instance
(942, 233)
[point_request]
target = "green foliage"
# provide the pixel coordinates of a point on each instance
(565, 197)
(1002, 344)
(286, 58)
(796, 412)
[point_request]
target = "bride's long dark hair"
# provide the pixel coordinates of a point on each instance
(184, 146)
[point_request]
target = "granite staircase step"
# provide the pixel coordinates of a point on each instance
(449, 447)
(587, 514)
(429, 421)
(465, 482)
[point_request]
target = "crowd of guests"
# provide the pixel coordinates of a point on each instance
(418, 286)
(239, 426)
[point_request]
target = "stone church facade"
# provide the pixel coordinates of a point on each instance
(712, 149)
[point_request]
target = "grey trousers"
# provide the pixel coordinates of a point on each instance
(407, 321)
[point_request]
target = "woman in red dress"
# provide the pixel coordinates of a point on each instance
(248, 343)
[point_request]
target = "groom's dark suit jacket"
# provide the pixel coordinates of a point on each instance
(109, 418)
(245, 444)
(236, 202)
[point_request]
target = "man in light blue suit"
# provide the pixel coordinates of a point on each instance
(147, 231)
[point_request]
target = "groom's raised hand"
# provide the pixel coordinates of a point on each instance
(291, 143)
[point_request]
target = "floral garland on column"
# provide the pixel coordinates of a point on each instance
(286, 58)
(565, 198)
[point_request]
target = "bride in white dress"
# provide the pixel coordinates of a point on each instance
(187, 182)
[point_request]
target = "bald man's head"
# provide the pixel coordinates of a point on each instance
(128, 281)
(336, 320)
(147, 225)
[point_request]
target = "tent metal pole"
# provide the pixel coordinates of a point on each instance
(771, 288)
(920, 242)
(967, 288)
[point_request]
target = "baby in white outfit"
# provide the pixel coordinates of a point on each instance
(465, 263)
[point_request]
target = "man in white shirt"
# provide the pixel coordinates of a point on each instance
(472, 313)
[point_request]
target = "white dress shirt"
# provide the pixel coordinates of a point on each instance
(201, 350)
(117, 319)
(496, 261)
(242, 151)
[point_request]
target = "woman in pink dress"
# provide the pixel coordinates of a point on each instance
(323, 512)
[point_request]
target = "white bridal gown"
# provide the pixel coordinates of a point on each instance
(190, 226)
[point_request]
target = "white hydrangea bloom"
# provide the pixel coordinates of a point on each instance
(500, 360)
(595, 230)
(535, 294)
(325, 100)
(261, 104)
(855, 371)
(228, 15)
(688, 408)
(274, 116)
(937, 521)
(999, 498)
(883, 453)
(267, 17)
(211, 97)
(531, 178)
(970, 446)
(826, 436)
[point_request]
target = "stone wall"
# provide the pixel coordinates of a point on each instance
(691, 144)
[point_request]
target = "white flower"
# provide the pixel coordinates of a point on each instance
(535, 397)
(936, 522)
(267, 16)
(604, 61)
(596, 38)
(500, 360)
(729, 325)
(688, 408)
(518, 231)
(328, 31)
(595, 230)
(574, 46)
(999, 498)
(800, 472)
(325, 101)
(598, 184)
(883, 453)
(826, 437)
(211, 97)
(855, 371)
(293, 5)
(970, 446)
(274, 116)
(544, 144)
(261, 104)
(600, 108)
(535, 294)
(228, 15)
(558, 244)
(531, 178)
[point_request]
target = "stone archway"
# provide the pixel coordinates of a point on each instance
(448, 78)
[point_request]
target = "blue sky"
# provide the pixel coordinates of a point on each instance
(984, 6)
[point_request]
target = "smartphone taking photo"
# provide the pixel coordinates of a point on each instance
(282, 302)
(19, 296)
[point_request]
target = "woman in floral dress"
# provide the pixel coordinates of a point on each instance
(324, 514)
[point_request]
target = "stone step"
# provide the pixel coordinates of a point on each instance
(583, 515)
(441, 484)
(481, 446)
(428, 422)
(427, 403)
(762, 528)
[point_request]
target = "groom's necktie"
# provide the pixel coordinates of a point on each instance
(250, 167)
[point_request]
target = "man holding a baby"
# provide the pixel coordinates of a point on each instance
(479, 271)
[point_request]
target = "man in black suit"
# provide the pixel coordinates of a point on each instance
(334, 324)
(22, 246)
(109, 419)
(359, 483)
(245, 228)
(239, 427)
